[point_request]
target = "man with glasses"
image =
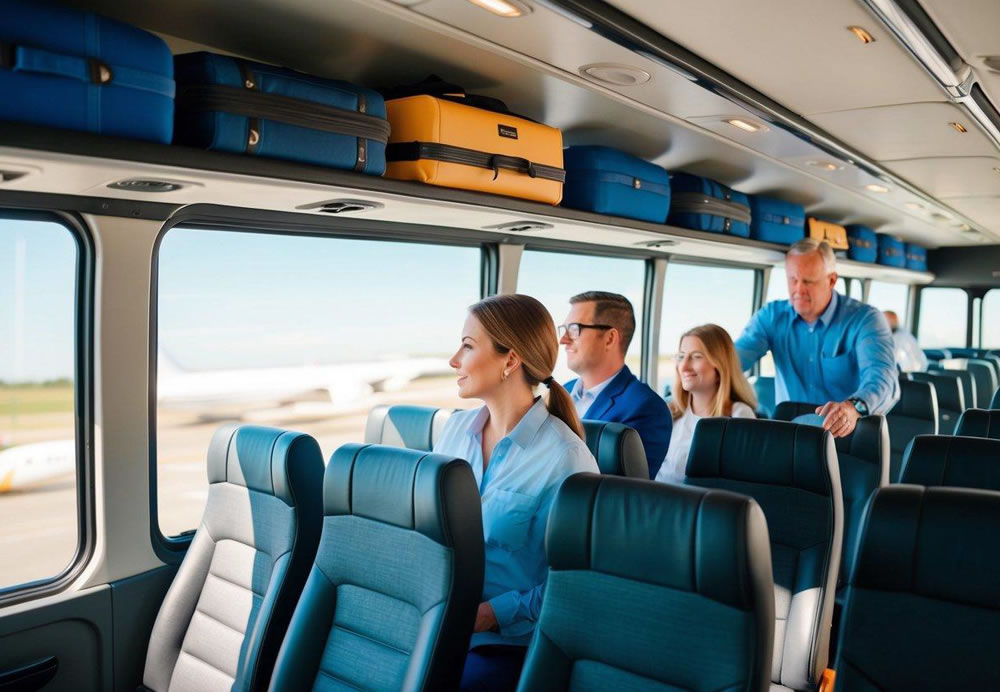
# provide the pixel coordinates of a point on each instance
(596, 335)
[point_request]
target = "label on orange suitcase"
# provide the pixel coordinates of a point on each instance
(450, 144)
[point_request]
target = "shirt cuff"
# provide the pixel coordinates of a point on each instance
(505, 607)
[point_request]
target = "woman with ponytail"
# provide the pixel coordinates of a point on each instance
(521, 447)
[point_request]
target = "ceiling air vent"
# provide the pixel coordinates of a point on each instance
(146, 185)
(519, 226)
(666, 242)
(343, 206)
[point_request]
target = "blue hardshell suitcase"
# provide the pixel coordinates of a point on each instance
(891, 251)
(609, 181)
(776, 221)
(916, 257)
(228, 104)
(76, 70)
(863, 243)
(706, 205)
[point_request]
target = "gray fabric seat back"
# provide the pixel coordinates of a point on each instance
(414, 427)
(964, 462)
(792, 472)
(653, 587)
(977, 422)
(916, 413)
(950, 396)
(392, 596)
(617, 448)
(223, 618)
(923, 608)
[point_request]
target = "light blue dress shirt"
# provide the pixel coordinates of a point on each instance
(583, 399)
(846, 353)
(517, 490)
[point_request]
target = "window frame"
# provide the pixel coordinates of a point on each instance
(171, 549)
(83, 404)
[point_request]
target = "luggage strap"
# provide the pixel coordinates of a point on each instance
(257, 104)
(414, 151)
(699, 203)
(19, 58)
(782, 219)
(633, 182)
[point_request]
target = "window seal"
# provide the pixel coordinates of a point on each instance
(83, 402)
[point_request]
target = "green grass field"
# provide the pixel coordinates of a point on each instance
(28, 400)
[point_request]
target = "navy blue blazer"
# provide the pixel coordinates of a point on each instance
(629, 401)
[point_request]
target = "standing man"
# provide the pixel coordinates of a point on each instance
(909, 356)
(827, 347)
(596, 335)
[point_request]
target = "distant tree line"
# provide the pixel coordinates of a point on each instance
(58, 382)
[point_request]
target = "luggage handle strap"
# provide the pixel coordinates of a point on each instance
(448, 153)
(18, 58)
(698, 203)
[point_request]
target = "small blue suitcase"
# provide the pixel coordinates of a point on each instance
(705, 205)
(916, 257)
(609, 181)
(76, 70)
(776, 221)
(891, 251)
(229, 104)
(863, 243)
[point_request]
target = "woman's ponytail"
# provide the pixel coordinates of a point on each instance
(560, 405)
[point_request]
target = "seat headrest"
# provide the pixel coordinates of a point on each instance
(790, 410)
(617, 448)
(711, 542)
(268, 460)
(947, 388)
(867, 442)
(406, 488)
(415, 427)
(934, 542)
(965, 462)
(977, 422)
(764, 451)
(917, 399)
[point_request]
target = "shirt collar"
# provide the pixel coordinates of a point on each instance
(526, 429)
(578, 390)
(825, 317)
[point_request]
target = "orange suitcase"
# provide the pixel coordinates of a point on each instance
(441, 142)
(832, 233)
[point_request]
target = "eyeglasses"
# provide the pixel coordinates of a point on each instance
(573, 329)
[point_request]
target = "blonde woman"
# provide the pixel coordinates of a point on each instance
(709, 382)
(521, 447)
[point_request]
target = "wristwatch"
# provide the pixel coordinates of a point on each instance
(859, 406)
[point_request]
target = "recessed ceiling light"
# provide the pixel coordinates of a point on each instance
(503, 8)
(824, 165)
(618, 75)
(914, 206)
(872, 187)
(959, 127)
(862, 35)
(744, 125)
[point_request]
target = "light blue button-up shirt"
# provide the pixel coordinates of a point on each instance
(846, 353)
(517, 490)
(583, 399)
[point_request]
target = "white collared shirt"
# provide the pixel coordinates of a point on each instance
(583, 399)
(674, 466)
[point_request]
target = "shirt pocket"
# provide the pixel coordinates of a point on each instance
(841, 371)
(507, 517)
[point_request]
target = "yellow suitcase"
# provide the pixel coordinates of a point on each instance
(441, 142)
(832, 233)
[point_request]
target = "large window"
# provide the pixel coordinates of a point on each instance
(38, 494)
(554, 278)
(302, 332)
(991, 319)
(943, 317)
(889, 296)
(696, 294)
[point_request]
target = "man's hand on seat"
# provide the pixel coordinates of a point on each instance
(839, 417)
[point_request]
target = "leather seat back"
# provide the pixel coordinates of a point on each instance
(916, 413)
(414, 427)
(977, 422)
(617, 448)
(792, 472)
(950, 397)
(986, 376)
(970, 393)
(653, 586)
(995, 402)
(863, 457)
(964, 462)
(392, 596)
(222, 620)
(923, 608)
(937, 353)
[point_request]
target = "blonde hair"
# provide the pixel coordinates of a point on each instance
(721, 355)
(521, 324)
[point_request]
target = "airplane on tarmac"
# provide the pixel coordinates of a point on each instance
(343, 386)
